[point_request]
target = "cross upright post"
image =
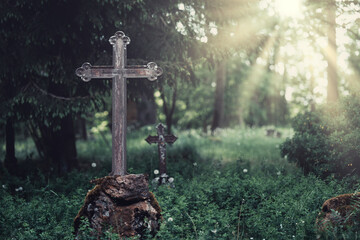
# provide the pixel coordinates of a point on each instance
(119, 72)
(161, 140)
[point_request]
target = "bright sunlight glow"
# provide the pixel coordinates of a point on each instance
(289, 8)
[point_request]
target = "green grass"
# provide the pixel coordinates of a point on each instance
(233, 185)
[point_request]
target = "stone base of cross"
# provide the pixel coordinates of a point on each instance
(122, 204)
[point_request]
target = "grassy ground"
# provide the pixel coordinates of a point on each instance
(233, 185)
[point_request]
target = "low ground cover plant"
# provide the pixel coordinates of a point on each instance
(233, 185)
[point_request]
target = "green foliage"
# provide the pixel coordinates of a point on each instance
(327, 140)
(43, 42)
(46, 216)
(53, 38)
(231, 173)
(308, 148)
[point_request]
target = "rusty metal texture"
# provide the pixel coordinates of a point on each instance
(161, 140)
(119, 71)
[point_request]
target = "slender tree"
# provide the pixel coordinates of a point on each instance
(218, 115)
(331, 55)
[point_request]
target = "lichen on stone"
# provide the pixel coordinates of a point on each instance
(122, 203)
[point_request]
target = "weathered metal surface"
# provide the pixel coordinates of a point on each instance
(119, 109)
(119, 72)
(150, 71)
(161, 140)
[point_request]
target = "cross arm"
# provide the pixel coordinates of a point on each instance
(170, 139)
(152, 139)
(87, 72)
(150, 71)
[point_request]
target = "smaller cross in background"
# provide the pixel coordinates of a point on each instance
(161, 140)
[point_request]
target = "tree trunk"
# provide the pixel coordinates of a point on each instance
(218, 115)
(169, 112)
(146, 110)
(63, 147)
(332, 88)
(56, 147)
(10, 159)
(83, 128)
(241, 117)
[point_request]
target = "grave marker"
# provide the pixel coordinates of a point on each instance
(161, 140)
(119, 72)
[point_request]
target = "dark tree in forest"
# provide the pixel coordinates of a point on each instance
(10, 159)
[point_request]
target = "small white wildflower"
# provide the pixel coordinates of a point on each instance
(293, 236)
(156, 179)
(251, 238)
(156, 172)
(20, 188)
(281, 225)
(170, 219)
(285, 156)
(93, 164)
(302, 221)
(4, 186)
(164, 175)
(16, 189)
(171, 180)
(245, 170)
(214, 231)
(278, 173)
(195, 164)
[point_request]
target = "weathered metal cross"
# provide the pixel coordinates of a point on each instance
(119, 71)
(161, 140)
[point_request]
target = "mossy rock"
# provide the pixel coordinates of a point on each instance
(342, 211)
(122, 203)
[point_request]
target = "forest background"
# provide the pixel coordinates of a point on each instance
(245, 65)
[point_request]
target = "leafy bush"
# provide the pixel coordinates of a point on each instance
(309, 147)
(327, 141)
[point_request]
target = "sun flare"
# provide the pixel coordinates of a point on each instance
(289, 8)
